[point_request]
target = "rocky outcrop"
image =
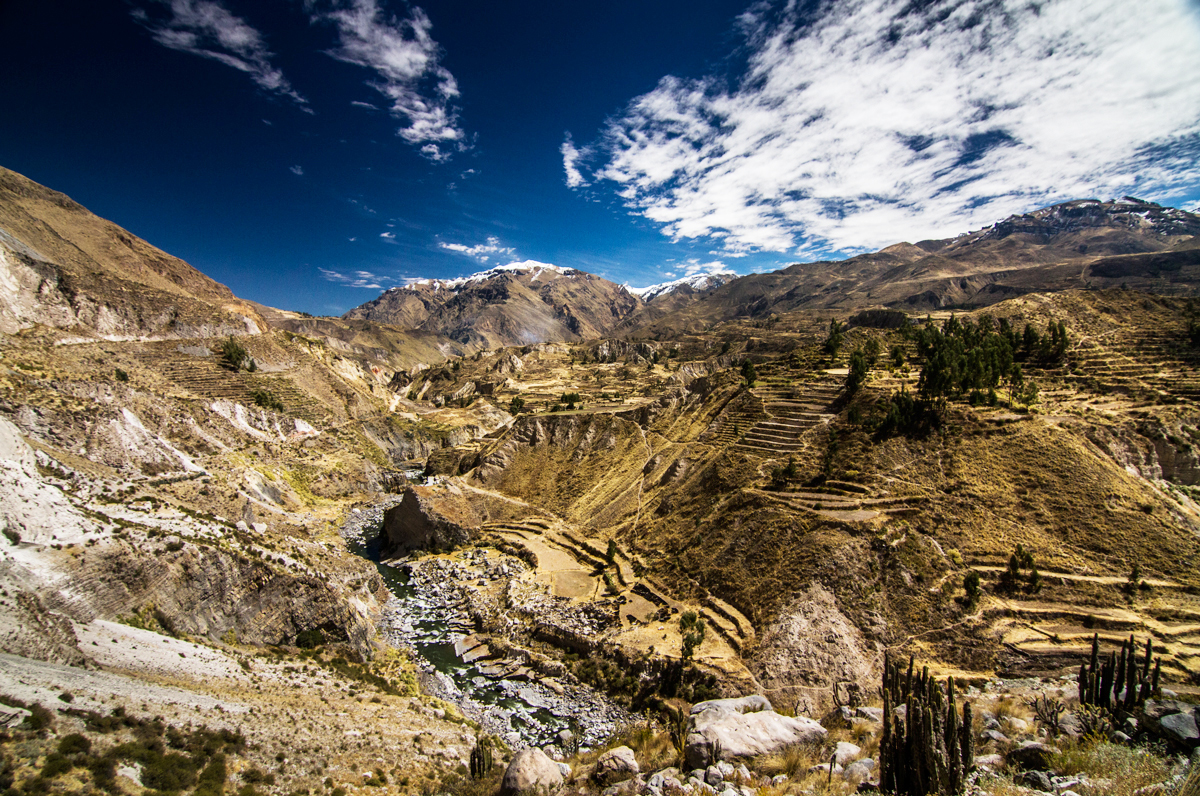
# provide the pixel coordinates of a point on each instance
(741, 728)
(205, 591)
(530, 771)
(429, 518)
(1154, 450)
(31, 510)
(811, 647)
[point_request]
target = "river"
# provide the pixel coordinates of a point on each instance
(426, 615)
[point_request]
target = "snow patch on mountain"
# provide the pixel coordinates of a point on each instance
(537, 269)
(705, 281)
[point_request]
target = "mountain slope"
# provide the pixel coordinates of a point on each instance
(65, 267)
(1077, 244)
(517, 304)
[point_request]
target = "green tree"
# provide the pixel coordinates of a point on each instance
(833, 342)
(749, 375)
(857, 374)
(971, 588)
(516, 405)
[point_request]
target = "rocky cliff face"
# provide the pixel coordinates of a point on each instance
(429, 519)
(66, 562)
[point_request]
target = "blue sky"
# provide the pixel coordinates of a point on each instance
(310, 153)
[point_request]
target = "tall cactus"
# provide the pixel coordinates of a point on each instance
(931, 749)
(1119, 684)
(481, 758)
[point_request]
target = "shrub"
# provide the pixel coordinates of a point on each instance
(121, 375)
(74, 744)
(309, 639)
(971, 587)
(211, 781)
(55, 765)
(169, 772)
(233, 354)
(266, 399)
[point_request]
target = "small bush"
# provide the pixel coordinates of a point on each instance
(211, 781)
(121, 375)
(169, 772)
(55, 765)
(267, 400)
(74, 744)
(310, 639)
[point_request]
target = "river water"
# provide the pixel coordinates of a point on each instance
(427, 616)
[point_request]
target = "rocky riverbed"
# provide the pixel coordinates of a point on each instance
(436, 606)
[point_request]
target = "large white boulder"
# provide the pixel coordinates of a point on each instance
(616, 765)
(530, 770)
(744, 727)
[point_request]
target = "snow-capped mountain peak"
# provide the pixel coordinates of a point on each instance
(697, 282)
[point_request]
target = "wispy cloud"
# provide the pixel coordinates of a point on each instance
(388, 235)
(361, 104)
(693, 267)
(361, 279)
(208, 29)
(860, 123)
(571, 157)
(405, 59)
(482, 251)
(297, 170)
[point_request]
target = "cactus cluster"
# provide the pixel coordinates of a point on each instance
(1119, 684)
(481, 758)
(930, 749)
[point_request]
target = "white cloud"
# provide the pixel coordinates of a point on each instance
(693, 267)
(481, 251)
(867, 122)
(297, 170)
(388, 235)
(571, 157)
(361, 104)
(206, 28)
(405, 59)
(1191, 207)
(360, 279)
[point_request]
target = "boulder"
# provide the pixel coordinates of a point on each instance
(1031, 756)
(1038, 780)
(873, 714)
(530, 770)
(616, 765)
(628, 787)
(743, 727)
(846, 753)
(429, 518)
(859, 770)
(1180, 729)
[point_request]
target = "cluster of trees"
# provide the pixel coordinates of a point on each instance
(963, 358)
(1012, 579)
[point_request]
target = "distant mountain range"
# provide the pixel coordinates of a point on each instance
(63, 267)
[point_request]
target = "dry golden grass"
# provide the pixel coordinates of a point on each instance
(1124, 769)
